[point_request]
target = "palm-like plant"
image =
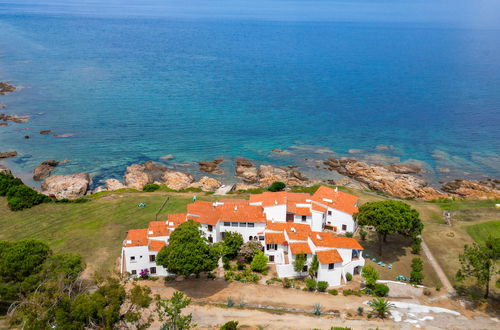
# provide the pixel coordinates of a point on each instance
(380, 306)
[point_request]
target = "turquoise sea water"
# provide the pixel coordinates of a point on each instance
(136, 80)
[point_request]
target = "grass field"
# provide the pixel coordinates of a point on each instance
(482, 231)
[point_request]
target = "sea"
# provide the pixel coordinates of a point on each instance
(126, 81)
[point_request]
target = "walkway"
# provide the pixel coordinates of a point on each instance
(437, 268)
(224, 189)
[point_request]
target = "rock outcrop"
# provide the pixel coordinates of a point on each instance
(207, 184)
(113, 184)
(243, 186)
(473, 189)
(44, 170)
(177, 180)
(246, 171)
(45, 132)
(8, 154)
(14, 118)
(211, 167)
(380, 178)
(66, 186)
(5, 88)
(4, 170)
(290, 176)
(139, 175)
(404, 168)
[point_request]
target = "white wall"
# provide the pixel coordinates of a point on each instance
(332, 276)
(141, 262)
(276, 213)
(339, 218)
(317, 221)
(246, 232)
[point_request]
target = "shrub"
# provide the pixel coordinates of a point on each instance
(363, 234)
(287, 283)
(438, 287)
(370, 275)
(416, 275)
(360, 311)
(230, 302)
(226, 262)
(317, 309)
(348, 234)
(23, 197)
(369, 315)
(259, 262)
(310, 284)
(348, 277)
(250, 249)
(333, 292)
(240, 265)
(381, 290)
(7, 181)
(210, 275)
(277, 186)
(151, 187)
(416, 246)
(242, 304)
(322, 286)
(144, 274)
(427, 292)
(231, 325)
(232, 243)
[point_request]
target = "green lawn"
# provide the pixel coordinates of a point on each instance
(94, 229)
(461, 204)
(481, 231)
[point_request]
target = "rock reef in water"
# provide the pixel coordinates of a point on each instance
(70, 186)
(211, 167)
(14, 118)
(44, 170)
(8, 154)
(5, 88)
(139, 175)
(265, 175)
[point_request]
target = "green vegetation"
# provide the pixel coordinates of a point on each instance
(370, 275)
(380, 290)
(299, 263)
(188, 251)
(170, 312)
(390, 217)
(417, 266)
(259, 262)
(481, 231)
(250, 249)
(231, 325)
(348, 277)
(322, 286)
(333, 292)
(232, 243)
(301, 189)
(150, 187)
(277, 186)
(311, 284)
(461, 204)
(313, 267)
(380, 307)
(19, 196)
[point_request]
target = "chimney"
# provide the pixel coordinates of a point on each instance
(236, 207)
(336, 189)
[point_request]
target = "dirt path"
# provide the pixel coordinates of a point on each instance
(437, 268)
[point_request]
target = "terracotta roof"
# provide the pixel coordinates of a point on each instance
(156, 245)
(158, 228)
(297, 235)
(278, 198)
(329, 257)
(282, 226)
(319, 208)
(136, 237)
(275, 238)
(234, 201)
(339, 200)
(329, 240)
(177, 218)
(300, 248)
(292, 208)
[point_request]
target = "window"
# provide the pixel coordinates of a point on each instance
(271, 258)
(261, 238)
(210, 227)
(304, 218)
(132, 259)
(344, 227)
(250, 238)
(329, 212)
(305, 268)
(152, 270)
(331, 266)
(227, 224)
(133, 272)
(234, 224)
(251, 225)
(152, 258)
(272, 246)
(210, 239)
(243, 224)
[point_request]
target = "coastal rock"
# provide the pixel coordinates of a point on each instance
(5, 88)
(290, 176)
(246, 171)
(67, 135)
(380, 178)
(473, 189)
(281, 152)
(383, 147)
(14, 118)
(167, 157)
(136, 177)
(4, 124)
(243, 186)
(211, 167)
(3, 106)
(66, 186)
(45, 132)
(4, 170)
(177, 180)
(207, 184)
(8, 154)
(404, 168)
(44, 170)
(113, 184)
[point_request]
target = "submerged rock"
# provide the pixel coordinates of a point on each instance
(404, 168)
(14, 118)
(281, 152)
(70, 186)
(8, 154)
(167, 157)
(246, 171)
(44, 170)
(45, 132)
(211, 167)
(5, 88)
(67, 135)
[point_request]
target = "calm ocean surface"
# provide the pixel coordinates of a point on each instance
(136, 80)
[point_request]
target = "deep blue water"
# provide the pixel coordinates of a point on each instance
(136, 80)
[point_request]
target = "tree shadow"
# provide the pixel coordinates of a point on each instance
(199, 287)
(392, 251)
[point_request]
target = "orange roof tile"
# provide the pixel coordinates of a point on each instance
(282, 226)
(297, 236)
(275, 238)
(158, 228)
(292, 208)
(156, 245)
(241, 213)
(136, 237)
(329, 240)
(329, 257)
(177, 218)
(340, 200)
(278, 198)
(319, 208)
(234, 201)
(299, 248)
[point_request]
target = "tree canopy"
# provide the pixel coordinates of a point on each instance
(390, 217)
(188, 251)
(232, 244)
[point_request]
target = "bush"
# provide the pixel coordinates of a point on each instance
(150, 187)
(231, 325)
(7, 181)
(381, 290)
(416, 275)
(250, 249)
(232, 242)
(226, 262)
(287, 283)
(438, 287)
(322, 286)
(363, 234)
(360, 311)
(370, 275)
(277, 186)
(230, 302)
(317, 309)
(240, 265)
(348, 234)
(348, 277)
(259, 263)
(416, 246)
(23, 197)
(427, 292)
(310, 284)
(333, 292)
